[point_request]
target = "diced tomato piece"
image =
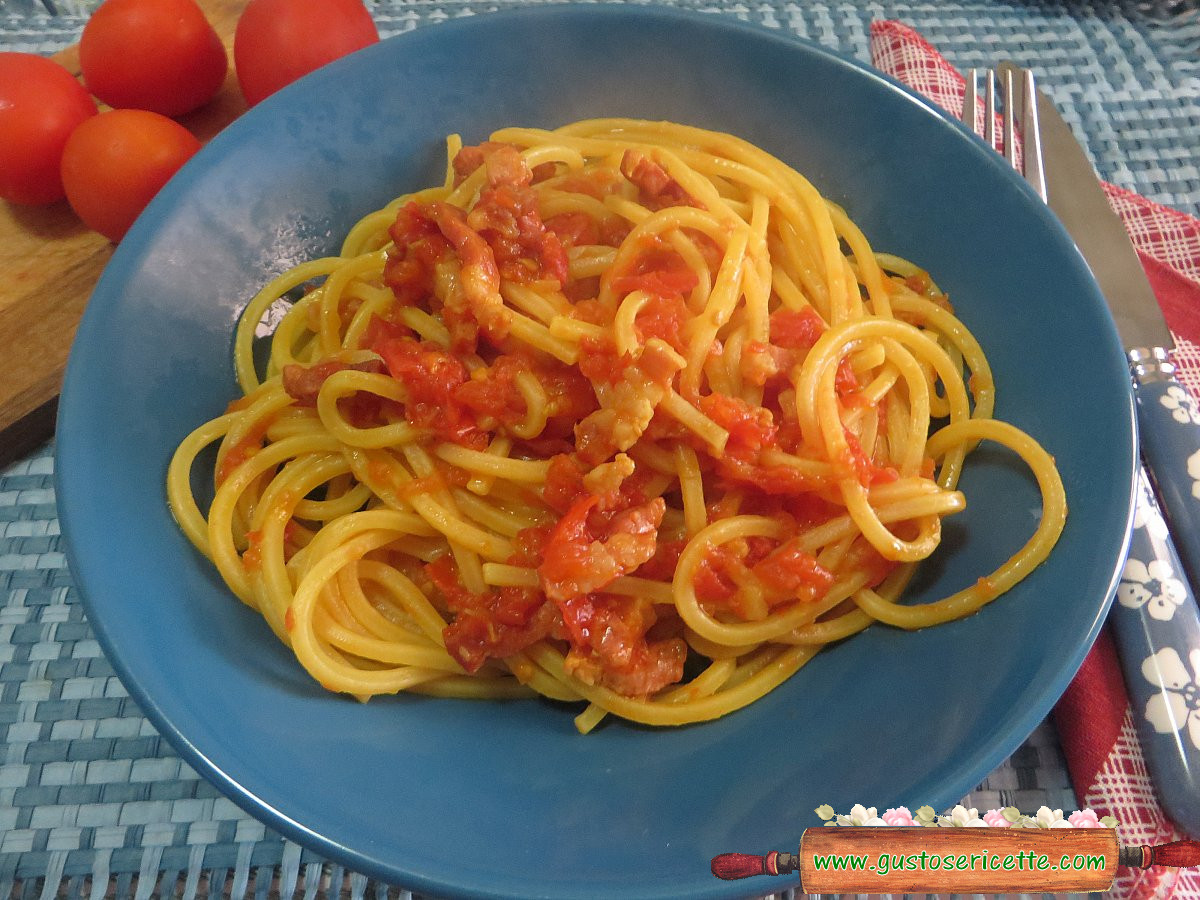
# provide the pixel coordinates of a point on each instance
(751, 428)
(419, 247)
(614, 230)
(795, 329)
(712, 581)
(413, 223)
(475, 636)
(430, 376)
(664, 317)
(491, 393)
(528, 543)
(845, 382)
(809, 508)
(661, 566)
(466, 161)
(574, 229)
(380, 329)
(600, 361)
(564, 483)
(790, 571)
(658, 269)
(592, 311)
(716, 578)
(492, 625)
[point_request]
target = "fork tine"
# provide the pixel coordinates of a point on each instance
(989, 108)
(1010, 114)
(1031, 130)
(970, 113)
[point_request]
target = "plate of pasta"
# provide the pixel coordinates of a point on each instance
(511, 474)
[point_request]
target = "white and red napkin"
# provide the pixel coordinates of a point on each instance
(1094, 719)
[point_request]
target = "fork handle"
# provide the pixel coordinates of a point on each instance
(1169, 428)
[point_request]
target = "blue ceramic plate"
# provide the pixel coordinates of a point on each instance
(506, 799)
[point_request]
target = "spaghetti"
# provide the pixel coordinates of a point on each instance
(624, 413)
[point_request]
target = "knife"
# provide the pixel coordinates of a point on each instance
(1168, 416)
(1155, 619)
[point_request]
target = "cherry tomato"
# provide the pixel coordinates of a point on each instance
(160, 55)
(40, 105)
(115, 163)
(277, 41)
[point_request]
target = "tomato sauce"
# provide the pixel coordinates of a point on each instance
(430, 375)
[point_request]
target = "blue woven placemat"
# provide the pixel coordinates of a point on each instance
(94, 803)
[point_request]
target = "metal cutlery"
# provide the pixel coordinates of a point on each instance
(1155, 617)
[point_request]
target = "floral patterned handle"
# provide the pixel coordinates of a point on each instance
(1156, 625)
(1169, 423)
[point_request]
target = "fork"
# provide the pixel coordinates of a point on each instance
(1146, 634)
(1020, 106)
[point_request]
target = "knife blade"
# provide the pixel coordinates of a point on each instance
(1156, 621)
(1079, 201)
(1168, 416)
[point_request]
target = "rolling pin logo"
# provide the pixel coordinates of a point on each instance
(908, 858)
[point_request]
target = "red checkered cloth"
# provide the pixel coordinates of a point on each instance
(1094, 719)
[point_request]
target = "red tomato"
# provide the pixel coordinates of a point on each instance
(277, 41)
(40, 105)
(160, 55)
(115, 163)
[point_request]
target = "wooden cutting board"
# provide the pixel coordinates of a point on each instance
(49, 264)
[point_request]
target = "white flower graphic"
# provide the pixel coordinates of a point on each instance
(1146, 513)
(961, 817)
(1193, 466)
(1181, 404)
(1153, 586)
(860, 815)
(1048, 818)
(1176, 708)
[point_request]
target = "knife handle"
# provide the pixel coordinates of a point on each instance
(1156, 626)
(1169, 427)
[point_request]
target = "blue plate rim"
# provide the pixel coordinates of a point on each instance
(134, 246)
